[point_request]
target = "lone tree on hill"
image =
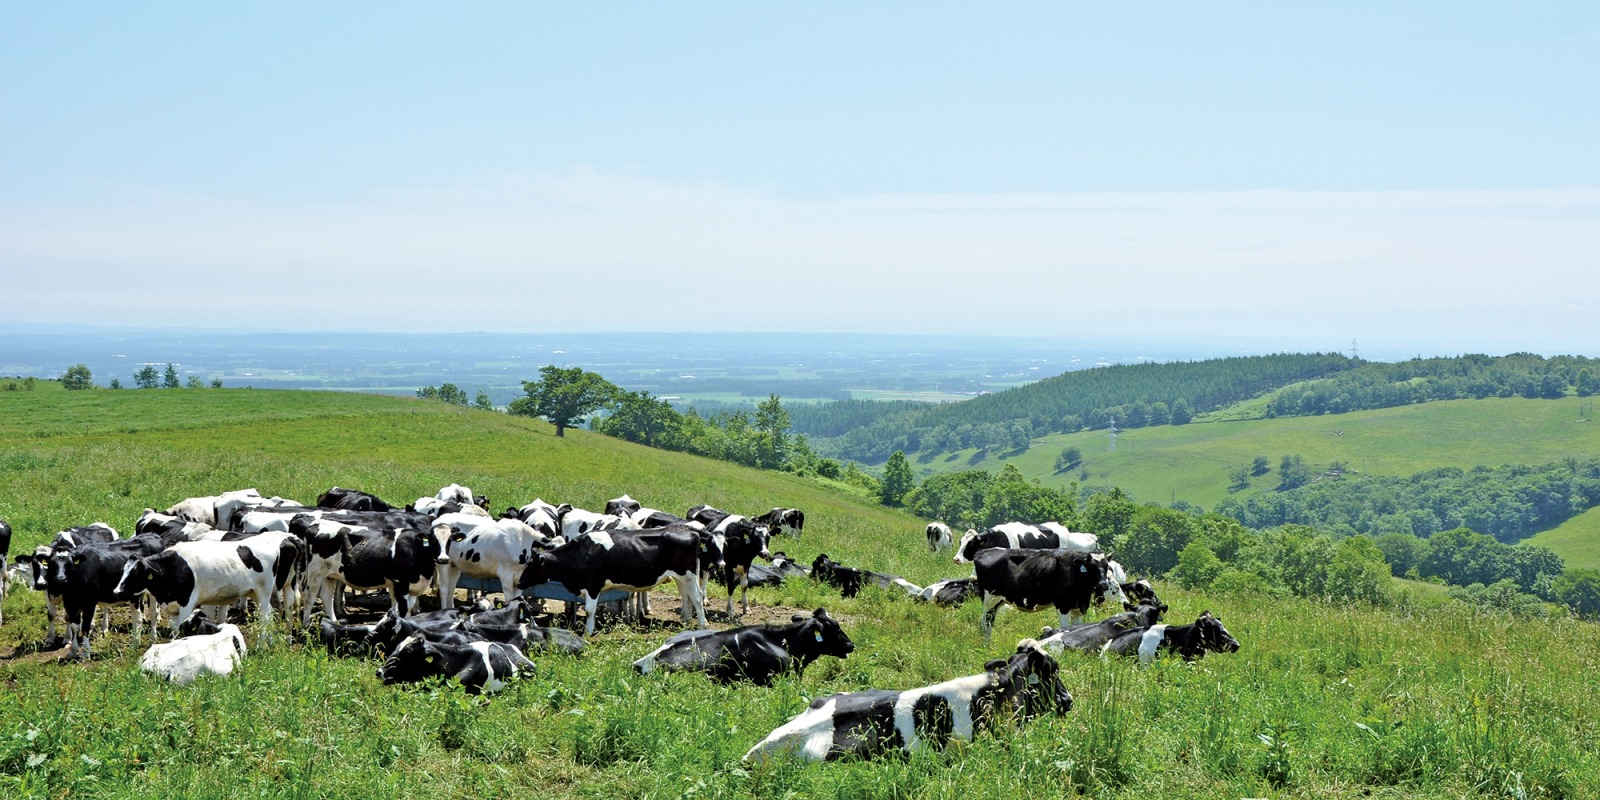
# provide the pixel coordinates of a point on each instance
(146, 377)
(564, 396)
(77, 377)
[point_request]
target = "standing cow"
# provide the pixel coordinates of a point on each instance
(938, 536)
(1020, 535)
(636, 561)
(1031, 580)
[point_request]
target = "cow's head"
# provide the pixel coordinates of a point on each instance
(137, 574)
(822, 567)
(443, 537)
(1142, 593)
(967, 548)
(59, 567)
(1213, 636)
(1029, 681)
(820, 635)
(535, 573)
(1108, 589)
(414, 659)
(39, 563)
(713, 547)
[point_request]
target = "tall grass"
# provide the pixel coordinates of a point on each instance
(1322, 701)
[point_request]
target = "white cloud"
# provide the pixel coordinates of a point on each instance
(586, 250)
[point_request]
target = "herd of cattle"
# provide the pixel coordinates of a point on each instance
(206, 556)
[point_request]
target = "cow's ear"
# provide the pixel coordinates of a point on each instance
(994, 665)
(798, 618)
(1205, 613)
(821, 613)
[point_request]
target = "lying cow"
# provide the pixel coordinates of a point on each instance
(478, 666)
(184, 659)
(352, 500)
(950, 592)
(5, 550)
(1090, 637)
(1020, 535)
(849, 580)
(1031, 580)
(755, 653)
(1191, 641)
(938, 536)
(875, 722)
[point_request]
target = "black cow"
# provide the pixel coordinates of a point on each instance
(86, 576)
(1189, 641)
(633, 560)
(479, 666)
(346, 640)
(875, 722)
(849, 580)
(352, 500)
(39, 563)
(393, 629)
(1092, 636)
(1031, 580)
(755, 653)
(786, 521)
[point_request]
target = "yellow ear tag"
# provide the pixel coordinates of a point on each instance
(819, 636)
(1082, 568)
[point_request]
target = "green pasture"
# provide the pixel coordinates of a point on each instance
(1424, 699)
(1194, 462)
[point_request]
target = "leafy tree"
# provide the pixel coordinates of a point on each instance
(169, 379)
(1403, 551)
(1154, 539)
(216, 383)
(1586, 383)
(428, 393)
(1239, 479)
(116, 384)
(482, 401)
(772, 435)
(1293, 472)
(643, 418)
(1197, 566)
(955, 497)
(194, 382)
(1108, 515)
(77, 377)
(564, 396)
(1260, 466)
(1070, 458)
(1181, 413)
(147, 377)
(1579, 590)
(897, 479)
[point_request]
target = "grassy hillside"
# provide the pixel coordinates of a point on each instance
(1192, 462)
(1577, 540)
(1424, 700)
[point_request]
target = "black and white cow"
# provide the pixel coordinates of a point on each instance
(875, 722)
(392, 629)
(1090, 637)
(622, 506)
(706, 515)
(950, 591)
(541, 516)
(849, 580)
(482, 547)
(479, 666)
(785, 521)
(352, 500)
(39, 563)
(1020, 535)
(580, 521)
(402, 563)
(755, 653)
(636, 561)
(1031, 580)
(742, 541)
(192, 574)
(788, 567)
(5, 550)
(87, 576)
(938, 536)
(1191, 641)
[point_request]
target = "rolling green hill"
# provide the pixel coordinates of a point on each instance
(1425, 699)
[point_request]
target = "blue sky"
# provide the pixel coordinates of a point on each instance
(1416, 174)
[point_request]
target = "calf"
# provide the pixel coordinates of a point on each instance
(1189, 641)
(849, 580)
(1092, 636)
(478, 666)
(1020, 535)
(874, 722)
(755, 653)
(86, 576)
(636, 561)
(786, 521)
(184, 659)
(484, 548)
(1031, 580)
(938, 536)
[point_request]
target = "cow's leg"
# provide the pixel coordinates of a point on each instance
(74, 622)
(50, 617)
(991, 606)
(590, 606)
(447, 586)
(694, 600)
(264, 599)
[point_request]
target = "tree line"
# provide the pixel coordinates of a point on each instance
(79, 377)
